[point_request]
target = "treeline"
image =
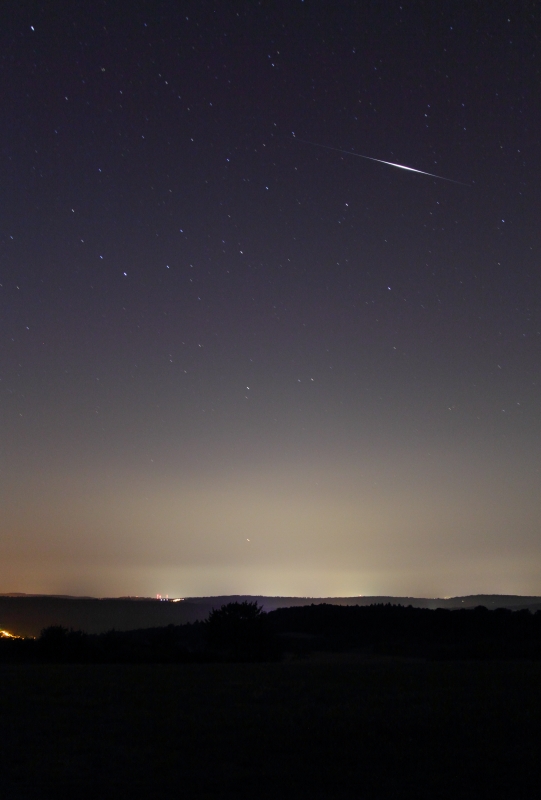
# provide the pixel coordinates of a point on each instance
(234, 632)
(56, 644)
(393, 630)
(242, 632)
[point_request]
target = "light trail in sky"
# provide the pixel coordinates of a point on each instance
(380, 161)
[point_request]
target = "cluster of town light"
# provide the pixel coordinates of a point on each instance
(8, 635)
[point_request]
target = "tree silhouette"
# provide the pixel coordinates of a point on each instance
(241, 631)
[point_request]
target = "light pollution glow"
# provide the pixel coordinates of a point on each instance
(410, 525)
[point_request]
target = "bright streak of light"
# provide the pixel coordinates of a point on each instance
(380, 161)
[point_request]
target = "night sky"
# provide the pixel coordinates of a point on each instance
(235, 362)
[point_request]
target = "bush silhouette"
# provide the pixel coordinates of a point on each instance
(241, 631)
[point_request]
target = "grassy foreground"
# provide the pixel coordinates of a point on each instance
(299, 729)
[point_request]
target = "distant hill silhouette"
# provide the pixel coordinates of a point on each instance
(28, 615)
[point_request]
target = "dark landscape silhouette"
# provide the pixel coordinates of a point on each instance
(314, 701)
(307, 701)
(27, 615)
(242, 631)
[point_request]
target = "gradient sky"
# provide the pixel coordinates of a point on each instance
(235, 362)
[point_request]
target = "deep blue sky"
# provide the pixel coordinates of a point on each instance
(235, 362)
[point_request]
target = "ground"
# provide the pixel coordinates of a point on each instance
(326, 727)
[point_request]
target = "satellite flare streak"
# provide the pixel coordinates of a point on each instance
(380, 161)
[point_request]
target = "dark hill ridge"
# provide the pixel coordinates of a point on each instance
(511, 601)
(27, 615)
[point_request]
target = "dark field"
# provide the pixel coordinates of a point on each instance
(334, 728)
